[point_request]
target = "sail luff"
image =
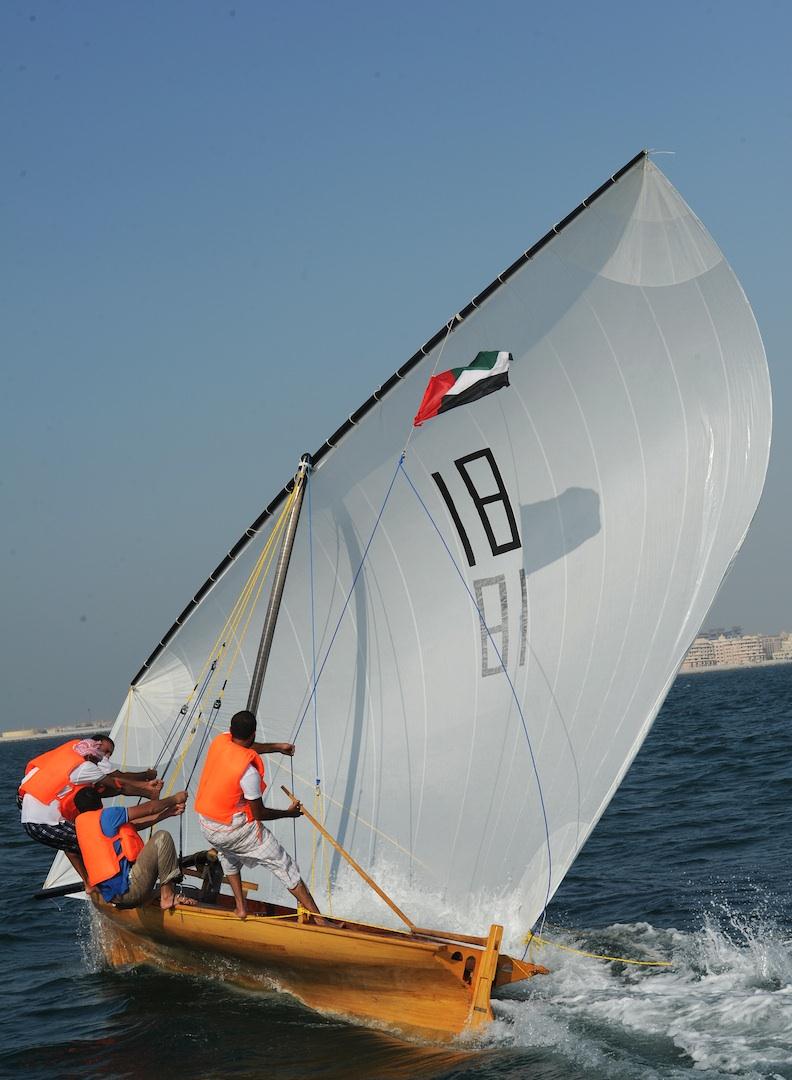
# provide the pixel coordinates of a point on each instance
(375, 399)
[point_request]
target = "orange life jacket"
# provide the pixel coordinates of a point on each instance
(220, 793)
(100, 857)
(50, 779)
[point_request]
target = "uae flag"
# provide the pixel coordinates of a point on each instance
(461, 385)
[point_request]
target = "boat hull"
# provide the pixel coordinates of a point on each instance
(429, 989)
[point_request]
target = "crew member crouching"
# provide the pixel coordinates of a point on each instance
(118, 863)
(47, 791)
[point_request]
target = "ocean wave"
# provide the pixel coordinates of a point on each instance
(724, 1008)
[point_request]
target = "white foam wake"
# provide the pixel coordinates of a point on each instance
(723, 1009)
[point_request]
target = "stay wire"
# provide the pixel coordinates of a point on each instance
(247, 601)
(189, 716)
(208, 728)
(228, 632)
(480, 614)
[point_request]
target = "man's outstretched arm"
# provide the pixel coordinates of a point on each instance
(274, 748)
(141, 774)
(149, 813)
(113, 784)
(267, 813)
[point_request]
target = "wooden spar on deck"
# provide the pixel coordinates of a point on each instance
(355, 866)
(271, 618)
(419, 931)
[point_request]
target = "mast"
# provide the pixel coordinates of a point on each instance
(271, 618)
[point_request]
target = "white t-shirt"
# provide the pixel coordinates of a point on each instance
(39, 813)
(251, 783)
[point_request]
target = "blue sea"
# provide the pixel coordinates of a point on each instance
(691, 863)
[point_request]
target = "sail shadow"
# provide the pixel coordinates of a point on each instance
(551, 529)
(359, 702)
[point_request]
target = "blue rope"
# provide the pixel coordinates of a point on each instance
(503, 666)
(349, 597)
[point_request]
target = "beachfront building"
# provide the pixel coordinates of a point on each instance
(701, 654)
(728, 649)
(738, 651)
(784, 648)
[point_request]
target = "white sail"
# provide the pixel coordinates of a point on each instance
(591, 510)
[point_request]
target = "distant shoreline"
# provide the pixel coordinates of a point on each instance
(712, 668)
(49, 733)
(86, 732)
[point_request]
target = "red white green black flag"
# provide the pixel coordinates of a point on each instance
(459, 386)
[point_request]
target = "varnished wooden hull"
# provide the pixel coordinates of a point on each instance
(430, 988)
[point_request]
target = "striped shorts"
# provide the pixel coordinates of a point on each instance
(249, 843)
(62, 837)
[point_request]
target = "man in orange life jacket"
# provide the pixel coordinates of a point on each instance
(118, 863)
(231, 811)
(47, 791)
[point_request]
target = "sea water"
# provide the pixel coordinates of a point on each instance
(690, 864)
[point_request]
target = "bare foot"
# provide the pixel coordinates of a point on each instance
(170, 899)
(240, 912)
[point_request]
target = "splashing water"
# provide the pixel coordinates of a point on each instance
(724, 1008)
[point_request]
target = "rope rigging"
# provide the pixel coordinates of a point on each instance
(532, 939)
(234, 630)
(191, 719)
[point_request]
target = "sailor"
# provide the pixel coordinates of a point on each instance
(51, 781)
(118, 863)
(231, 811)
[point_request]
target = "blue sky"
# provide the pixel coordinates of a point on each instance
(224, 224)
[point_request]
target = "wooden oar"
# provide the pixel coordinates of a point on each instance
(352, 862)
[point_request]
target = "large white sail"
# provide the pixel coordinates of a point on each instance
(590, 510)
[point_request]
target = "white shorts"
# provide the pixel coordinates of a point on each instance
(250, 843)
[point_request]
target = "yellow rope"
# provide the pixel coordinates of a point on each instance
(261, 566)
(314, 841)
(241, 605)
(326, 863)
(319, 814)
(242, 600)
(530, 938)
(366, 824)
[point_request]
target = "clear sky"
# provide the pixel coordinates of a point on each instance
(224, 224)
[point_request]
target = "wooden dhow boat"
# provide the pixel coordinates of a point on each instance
(470, 624)
(426, 985)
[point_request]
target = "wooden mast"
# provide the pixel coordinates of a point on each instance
(271, 618)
